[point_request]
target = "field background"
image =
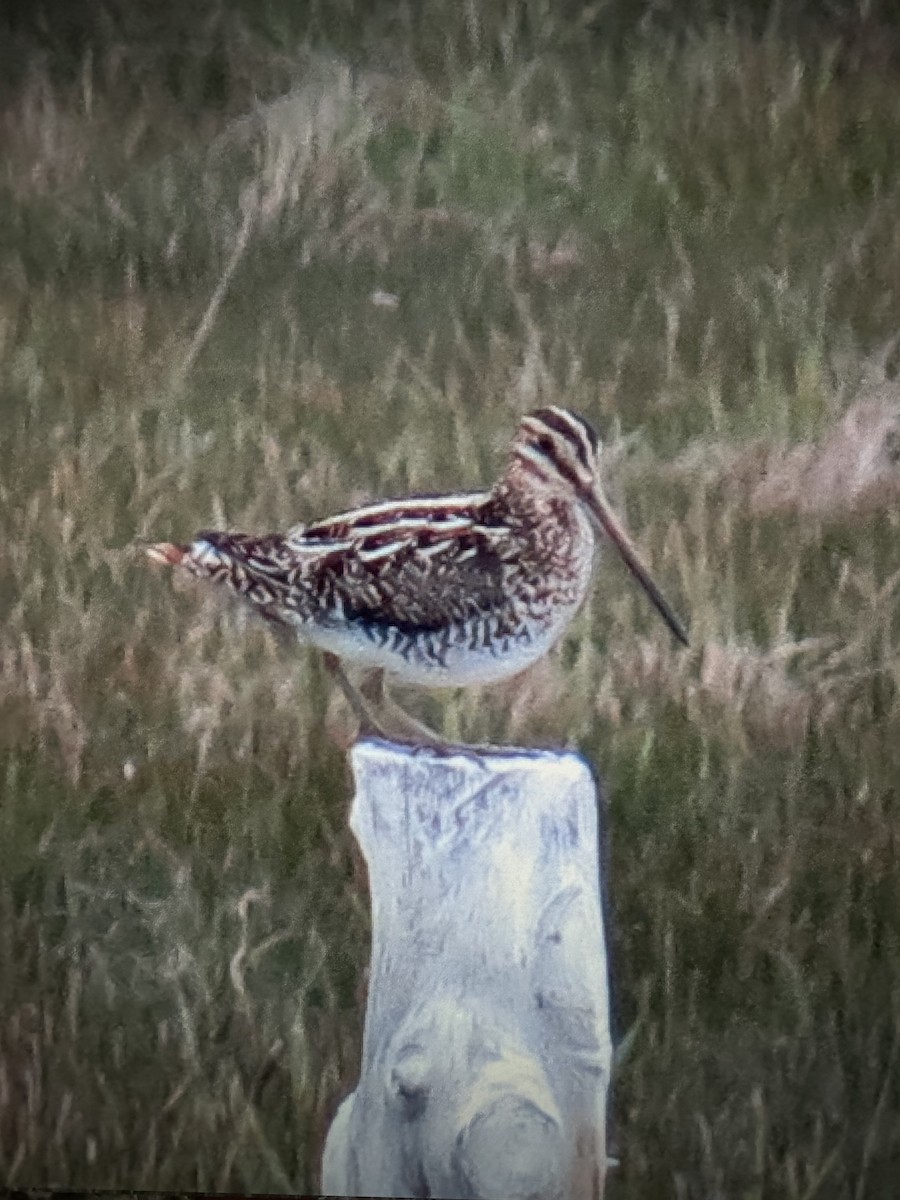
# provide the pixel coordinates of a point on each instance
(260, 262)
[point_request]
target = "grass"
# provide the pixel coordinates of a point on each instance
(690, 237)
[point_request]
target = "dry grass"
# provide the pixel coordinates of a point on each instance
(255, 313)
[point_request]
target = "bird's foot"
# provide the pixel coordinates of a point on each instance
(368, 722)
(399, 725)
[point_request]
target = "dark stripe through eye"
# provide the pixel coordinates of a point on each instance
(575, 429)
(556, 464)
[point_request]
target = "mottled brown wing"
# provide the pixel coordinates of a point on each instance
(411, 567)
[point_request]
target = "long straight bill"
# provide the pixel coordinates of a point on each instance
(611, 526)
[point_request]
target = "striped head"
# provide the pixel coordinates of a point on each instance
(557, 452)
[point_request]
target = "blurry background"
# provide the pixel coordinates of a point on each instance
(261, 261)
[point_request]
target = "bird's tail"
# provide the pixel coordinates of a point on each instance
(167, 552)
(247, 564)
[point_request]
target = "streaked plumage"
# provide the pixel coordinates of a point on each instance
(444, 590)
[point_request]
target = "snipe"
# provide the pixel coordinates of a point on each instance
(438, 590)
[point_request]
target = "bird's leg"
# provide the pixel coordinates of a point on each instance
(367, 721)
(372, 688)
(421, 733)
(373, 692)
(376, 693)
(413, 728)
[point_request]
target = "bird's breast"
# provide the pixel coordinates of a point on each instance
(489, 643)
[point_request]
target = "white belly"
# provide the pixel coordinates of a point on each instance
(458, 655)
(436, 660)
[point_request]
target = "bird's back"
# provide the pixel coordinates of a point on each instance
(439, 590)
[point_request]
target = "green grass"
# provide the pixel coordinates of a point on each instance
(693, 240)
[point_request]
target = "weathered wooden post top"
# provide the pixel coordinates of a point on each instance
(486, 1054)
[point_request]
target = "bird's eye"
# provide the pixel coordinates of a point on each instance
(545, 444)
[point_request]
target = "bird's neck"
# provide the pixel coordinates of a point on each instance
(534, 504)
(525, 493)
(550, 522)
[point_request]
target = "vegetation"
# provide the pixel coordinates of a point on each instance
(288, 258)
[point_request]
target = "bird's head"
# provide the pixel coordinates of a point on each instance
(557, 452)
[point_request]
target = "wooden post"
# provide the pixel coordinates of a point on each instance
(486, 1054)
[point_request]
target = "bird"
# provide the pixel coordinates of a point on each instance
(438, 591)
